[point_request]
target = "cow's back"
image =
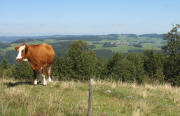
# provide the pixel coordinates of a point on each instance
(42, 54)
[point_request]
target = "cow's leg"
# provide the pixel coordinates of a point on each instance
(49, 74)
(44, 75)
(35, 77)
(40, 76)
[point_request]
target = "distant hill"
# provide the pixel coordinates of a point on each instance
(103, 45)
(16, 39)
(152, 35)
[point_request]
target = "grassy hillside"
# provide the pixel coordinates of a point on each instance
(69, 98)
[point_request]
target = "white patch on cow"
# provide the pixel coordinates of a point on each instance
(19, 56)
(35, 82)
(44, 80)
(49, 79)
(26, 60)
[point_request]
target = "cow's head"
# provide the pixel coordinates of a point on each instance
(22, 51)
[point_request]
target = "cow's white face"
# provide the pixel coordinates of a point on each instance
(21, 53)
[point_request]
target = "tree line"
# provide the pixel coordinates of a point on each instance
(81, 63)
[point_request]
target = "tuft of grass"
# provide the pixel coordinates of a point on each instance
(70, 98)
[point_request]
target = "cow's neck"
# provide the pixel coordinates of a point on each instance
(32, 60)
(28, 54)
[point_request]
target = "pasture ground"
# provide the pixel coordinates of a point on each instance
(70, 98)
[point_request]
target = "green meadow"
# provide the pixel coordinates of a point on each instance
(70, 98)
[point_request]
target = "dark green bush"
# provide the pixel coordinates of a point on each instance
(22, 70)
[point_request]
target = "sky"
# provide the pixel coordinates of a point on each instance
(71, 17)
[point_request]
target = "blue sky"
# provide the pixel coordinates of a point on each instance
(33, 17)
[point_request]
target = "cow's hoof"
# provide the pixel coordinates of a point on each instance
(35, 82)
(45, 83)
(50, 80)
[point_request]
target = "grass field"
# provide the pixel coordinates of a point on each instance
(69, 98)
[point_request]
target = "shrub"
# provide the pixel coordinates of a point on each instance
(22, 70)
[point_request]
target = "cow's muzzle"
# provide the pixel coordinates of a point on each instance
(19, 59)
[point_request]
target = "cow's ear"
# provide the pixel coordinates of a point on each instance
(26, 49)
(16, 48)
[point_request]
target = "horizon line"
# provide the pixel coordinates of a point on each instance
(38, 34)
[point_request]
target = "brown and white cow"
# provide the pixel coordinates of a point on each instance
(39, 56)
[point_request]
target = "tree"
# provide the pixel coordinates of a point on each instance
(153, 61)
(60, 67)
(4, 67)
(172, 70)
(173, 38)
(118, 68)
(22, 70)
(4, 63)
(172, 49)
(81, 61)
(136, 66)
(100, 68)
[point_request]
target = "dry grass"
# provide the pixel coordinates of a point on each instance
(69, 98)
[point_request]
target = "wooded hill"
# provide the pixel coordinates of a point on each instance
(103, 45)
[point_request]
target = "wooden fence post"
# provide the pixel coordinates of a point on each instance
(90, 97)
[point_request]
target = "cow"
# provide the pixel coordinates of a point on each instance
(40, 57)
